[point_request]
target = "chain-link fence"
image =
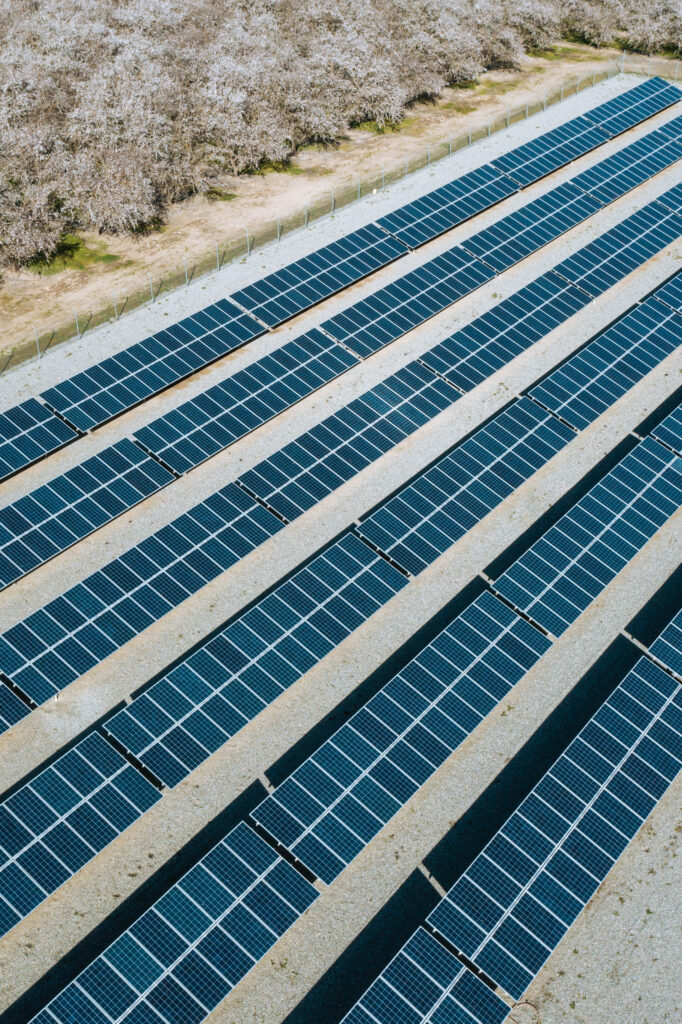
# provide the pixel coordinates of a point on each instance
(147, 290)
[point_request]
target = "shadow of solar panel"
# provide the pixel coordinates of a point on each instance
(194, 709)
(558, 576)
(671, 293)
(605, 369)
(670, 431)
(50, 648)
(438, 211)
(331, 807)
(195, 943)
(300, 285)
(295, 478)
(667, 647)
(50, 519)
(12, 710)
(411, 300)
(120, 382)
(219, 416)
(523, 232)
(635, 105)
(426, 984)
(492, 340)
(61, 819)
(425, 518)
(27, 433)
(515, 902)
(534, 159)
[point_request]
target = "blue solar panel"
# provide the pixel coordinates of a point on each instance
(523, 232)
(216, 418)
(12, 710)
(27, 433)
(71, 634)
(426, 984)
(605, 369)
(187, 951)
(672, 199)
(671, 293)
(331, 807)
(518, 898)
(492, 340)
(411, 300)
(53, 517)
(635, 105)
(425, 518)
(670, 430)
(275, 298)
(445, 207)
(316, 463)
(553, 149)
(120, 382)
(557, 578)
(667, 647)
(195, 708)
(54, 824)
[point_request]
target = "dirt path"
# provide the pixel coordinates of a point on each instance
(121, 264)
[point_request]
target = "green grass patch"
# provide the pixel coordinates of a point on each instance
(72, 253)
(220, 195)
(375, 128)
(279, 167)
(473, 84)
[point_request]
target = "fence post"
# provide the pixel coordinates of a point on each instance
(622, 63)
(37, 342)
(78, 330)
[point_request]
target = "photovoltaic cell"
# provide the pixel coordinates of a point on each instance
(50, 519)
(180, 959)
(559, 575)
(411, 300)
(12, 710)
(216, 418)
(53, 646)
(27, 433)
(316, 463)
(194, 709)
(635, 105)
(523, 232)
(492, 340)
(551, 150)
(670, 430)
(672, 199)
(667, 647)
(425, 518)
(120, 382)
(515, 902)
(671, 293)
(298, 286)
(54, 824)
(605, 369)
(331, 807)
(438, 211)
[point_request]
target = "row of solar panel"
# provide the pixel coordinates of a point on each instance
(90, 398)
(516, 901)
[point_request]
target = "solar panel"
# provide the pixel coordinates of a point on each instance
(298, 286)
(438, 211)
(216, 418)
(50, 519)
(54, 824)
(523, 232)
(27, 433)
(605, 369)
(624, 170)
(515, 902)
(411, 300)
(303, 472)
(331, 807)
(184, 954)
(12, 710)
(558, 576)
(425, 518)
(194, 709)
(492, 340)
(670, 431)
(615, 254)
(50, 648)
(671, 293)
(672, 199)
(120, 382)
(667, 647)
(635, 105)
(426, 984)
(551, 150)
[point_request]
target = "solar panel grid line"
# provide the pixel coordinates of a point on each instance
(28, 432)
(12, 708)
(667, 647)
(192, 710)
(344, 794)
(628, 109)
(670, 293)
(669, 431)
(501, 894)
(539, 157)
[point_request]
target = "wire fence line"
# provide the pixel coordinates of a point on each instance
(146, 292)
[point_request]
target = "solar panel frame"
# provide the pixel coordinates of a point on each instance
(29, 432)
(12, 709)
(667, 647)
(670, 294)
(669, 431)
